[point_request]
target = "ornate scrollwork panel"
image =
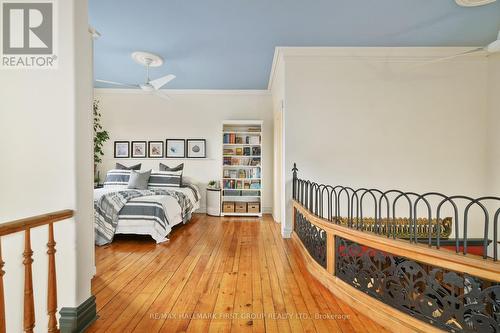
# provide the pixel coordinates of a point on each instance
(453, 301)
(313, 238)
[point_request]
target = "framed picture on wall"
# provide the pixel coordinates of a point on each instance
(122, 149)
(196, 148)
(139, 149)
(176, 148)
(155, 149)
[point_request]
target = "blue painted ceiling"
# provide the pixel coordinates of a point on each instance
(229, 44)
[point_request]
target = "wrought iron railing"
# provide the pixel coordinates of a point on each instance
(454, 292)
(398, 214)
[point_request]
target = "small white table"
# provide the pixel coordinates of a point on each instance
(213, 201)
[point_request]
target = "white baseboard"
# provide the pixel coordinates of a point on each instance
(267, 210)
(286, 233)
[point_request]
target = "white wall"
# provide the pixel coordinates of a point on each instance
(132, 115)
(370, 118)
(493, 179)
(277, 87)
(493, 144)
(84, 132)
(38, 168)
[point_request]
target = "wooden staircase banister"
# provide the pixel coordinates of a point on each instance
(26, 225)
(34, 221)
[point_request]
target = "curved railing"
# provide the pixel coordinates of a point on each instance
(427, 265)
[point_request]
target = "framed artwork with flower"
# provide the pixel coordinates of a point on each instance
(139, 149)
(122, 149)
(155, 149)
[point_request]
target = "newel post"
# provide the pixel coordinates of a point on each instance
(2, 300)
(294, 181)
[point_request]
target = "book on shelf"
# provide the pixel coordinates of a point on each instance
(235, 184)
(242, 173)
(253, 140)
(229, 138)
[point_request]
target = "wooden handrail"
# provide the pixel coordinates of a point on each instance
(34, 221)
(368, 278)
(475, 265)
(26, 225)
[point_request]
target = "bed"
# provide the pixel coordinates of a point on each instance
(153, 211)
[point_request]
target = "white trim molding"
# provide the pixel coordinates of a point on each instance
(184, 91)
(415, 55)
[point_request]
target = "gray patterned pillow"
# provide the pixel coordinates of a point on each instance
(164, 167)
(117, 179)
(161, 179)
(120, 166)
(139, 180)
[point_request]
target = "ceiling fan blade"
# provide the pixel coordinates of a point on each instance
(117, 83)
(494, 47)
(162, 95)
(160, 82)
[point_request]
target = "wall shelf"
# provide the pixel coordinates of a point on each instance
(252, 156)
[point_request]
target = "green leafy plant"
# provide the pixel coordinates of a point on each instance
(100, 135)
(212, 184)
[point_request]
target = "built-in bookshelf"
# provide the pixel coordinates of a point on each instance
(241, 180)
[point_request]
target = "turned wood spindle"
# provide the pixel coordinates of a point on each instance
(2, 298)
(29, 304)
(52, 283)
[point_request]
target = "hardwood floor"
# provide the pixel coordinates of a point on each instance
(215, 275)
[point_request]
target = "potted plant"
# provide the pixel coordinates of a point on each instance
(213, 184)
(100, 137)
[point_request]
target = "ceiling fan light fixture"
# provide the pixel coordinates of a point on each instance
(147, 87)
(147, 59)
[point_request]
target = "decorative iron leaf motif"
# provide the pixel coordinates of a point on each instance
(313, 238)
(453, 301)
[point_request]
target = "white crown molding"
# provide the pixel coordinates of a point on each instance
(183, 91)
(277, 61)
(283, 55)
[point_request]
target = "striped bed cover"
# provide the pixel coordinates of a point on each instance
(155, 215)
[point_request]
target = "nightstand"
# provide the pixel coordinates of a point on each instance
(213, 201)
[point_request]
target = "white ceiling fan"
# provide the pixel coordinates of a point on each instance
(148, 60)
(491, 48)
(473, 3)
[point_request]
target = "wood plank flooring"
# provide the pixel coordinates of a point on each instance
(215, 275)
